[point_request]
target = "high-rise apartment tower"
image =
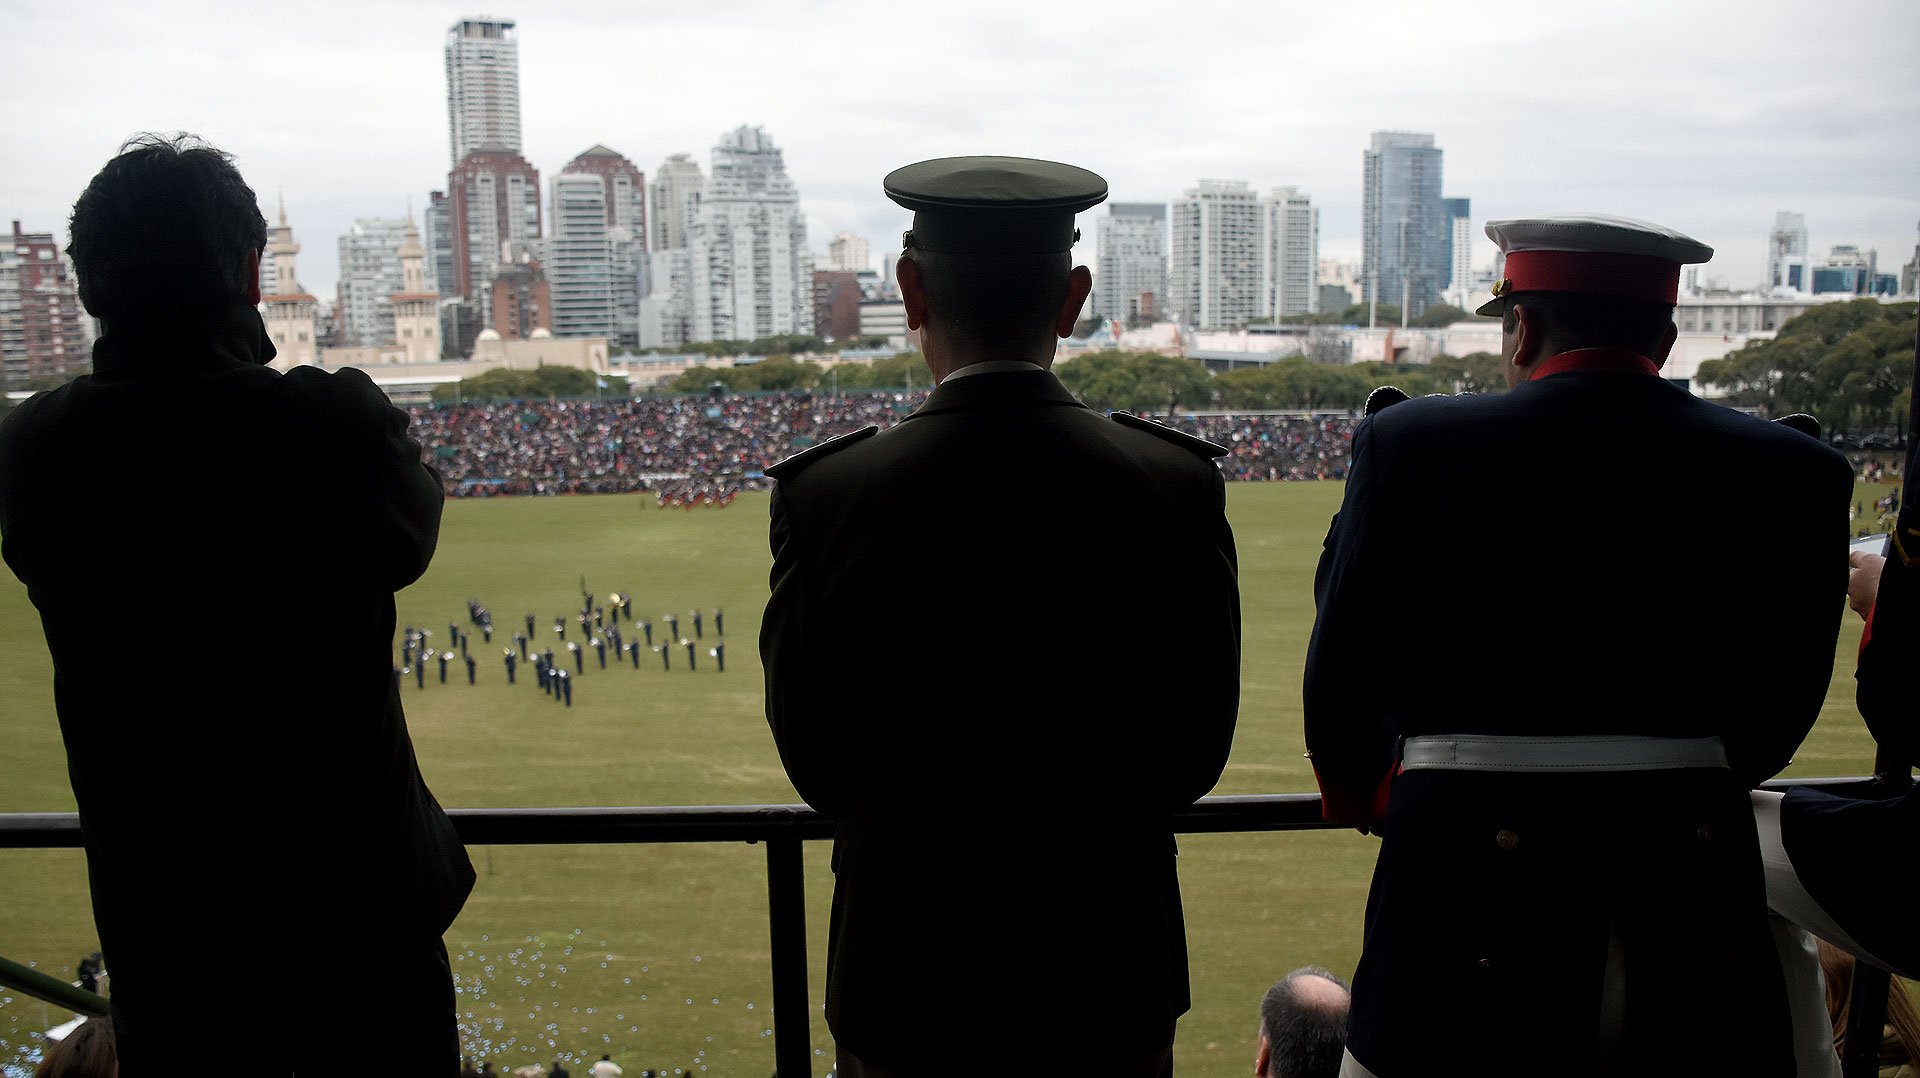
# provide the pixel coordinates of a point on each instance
(750, 273)
(596, 247)
(1213, 272)
(44, 332)
(1404, 224)
(370, 274)
(676, 191)
(483, 87)
(1131, 284)
(495, 219)
(1289, 254)
(1789, 254)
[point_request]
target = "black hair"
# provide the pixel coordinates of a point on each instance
(165, 229)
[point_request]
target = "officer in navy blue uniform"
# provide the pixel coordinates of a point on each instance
(1496, 611)
(1002, 849)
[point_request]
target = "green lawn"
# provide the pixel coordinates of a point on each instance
(658, 954)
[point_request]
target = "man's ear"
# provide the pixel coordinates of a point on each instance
(1079, 285)
(913, 291)
(253, 277)
(1263, 1059)
(1666, 346)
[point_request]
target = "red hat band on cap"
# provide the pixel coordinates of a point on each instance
(1626, 276)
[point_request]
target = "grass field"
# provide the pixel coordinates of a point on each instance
(658, 954)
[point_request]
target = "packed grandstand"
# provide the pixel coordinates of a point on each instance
(687, 449)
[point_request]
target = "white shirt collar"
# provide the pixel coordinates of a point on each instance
(992, 366)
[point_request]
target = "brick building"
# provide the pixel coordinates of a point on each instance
(44, 332)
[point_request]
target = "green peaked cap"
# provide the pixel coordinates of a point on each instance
(993, 205)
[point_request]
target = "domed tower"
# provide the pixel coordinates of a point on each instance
(415, 310)
(290, 312)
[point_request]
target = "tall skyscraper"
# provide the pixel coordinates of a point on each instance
(751, 275)
(1789, 254)
(44, 332)
(1131, 282)
(483, 87)
(1214, 271)
(596, 247)
(370, 273)
(676, 191)
(1289, 254)
(439, 219)
(1404, 225)
(495, 220)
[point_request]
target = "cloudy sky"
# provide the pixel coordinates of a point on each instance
(1706, 116)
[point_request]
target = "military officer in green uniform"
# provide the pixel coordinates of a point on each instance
(1004, 863)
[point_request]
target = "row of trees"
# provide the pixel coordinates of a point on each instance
(1110, 381)
(540, 382)
(1849, 365)
(778, 373)
(1137, 382)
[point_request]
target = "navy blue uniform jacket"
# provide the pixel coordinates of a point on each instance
(1524, 563)
(965, 656)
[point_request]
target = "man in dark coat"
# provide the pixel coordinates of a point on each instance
(1003, 857)
(1568, 854)
(286, 815)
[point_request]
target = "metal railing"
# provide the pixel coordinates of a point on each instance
(781, 827)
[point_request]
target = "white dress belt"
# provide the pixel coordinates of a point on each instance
(1573, 752)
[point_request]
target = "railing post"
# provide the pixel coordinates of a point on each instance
(787, 926)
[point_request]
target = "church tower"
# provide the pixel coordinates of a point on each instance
(290, 311)
(415, 309)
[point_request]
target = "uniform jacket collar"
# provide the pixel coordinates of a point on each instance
(1015, 388)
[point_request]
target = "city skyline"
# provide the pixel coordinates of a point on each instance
(1701, 131)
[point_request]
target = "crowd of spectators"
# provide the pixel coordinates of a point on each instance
(697, 450)
(1277, 447)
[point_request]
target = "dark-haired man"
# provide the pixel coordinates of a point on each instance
(1551, 706)
(284, 816)
(1303, 1026)
(1002, 854)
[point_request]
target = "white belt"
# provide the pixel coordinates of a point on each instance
(1589, 752)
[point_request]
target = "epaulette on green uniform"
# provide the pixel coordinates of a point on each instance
(812, 454)
(1185, 441)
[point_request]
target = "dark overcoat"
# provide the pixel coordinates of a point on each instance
(1535, 563)
(963, 656)
(263, 813)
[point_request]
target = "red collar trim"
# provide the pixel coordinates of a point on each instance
(1595, 359)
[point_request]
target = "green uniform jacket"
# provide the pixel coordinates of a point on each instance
(1002, 645)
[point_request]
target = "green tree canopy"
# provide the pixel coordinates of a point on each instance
(1294, 383)
(541, 381)
(1475, 372)
(1848, 364)
(889, 372)
(1443, 314)
(1137, 381)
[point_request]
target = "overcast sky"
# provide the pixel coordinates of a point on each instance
(1708, 117)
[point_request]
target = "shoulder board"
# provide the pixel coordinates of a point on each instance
(812, 454)
(1801, 422)
(1185, 441)
(1384, 397)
